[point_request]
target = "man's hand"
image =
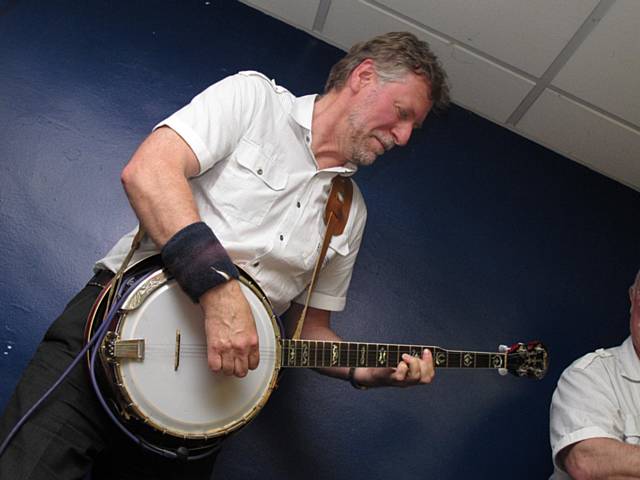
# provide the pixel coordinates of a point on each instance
(410, 371)
(232, 339)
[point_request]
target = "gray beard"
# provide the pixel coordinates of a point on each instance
(359, 153)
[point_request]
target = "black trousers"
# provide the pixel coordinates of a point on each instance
(70, 435)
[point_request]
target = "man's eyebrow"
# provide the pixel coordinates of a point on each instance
(411, 113)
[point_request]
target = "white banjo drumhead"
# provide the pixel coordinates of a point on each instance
(191, 400)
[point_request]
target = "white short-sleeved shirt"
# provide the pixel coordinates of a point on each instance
(598, 395)
(261, 192)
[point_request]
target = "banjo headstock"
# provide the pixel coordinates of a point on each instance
(528, 360)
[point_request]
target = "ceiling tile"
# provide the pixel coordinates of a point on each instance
(527, 34)
(584, 135)
(605, 69)
(483, 86)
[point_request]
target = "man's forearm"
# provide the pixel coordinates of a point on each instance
(602, 458)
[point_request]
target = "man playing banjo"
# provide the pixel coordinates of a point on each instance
(240, 176)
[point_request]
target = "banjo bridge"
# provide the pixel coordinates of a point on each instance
(127, 349)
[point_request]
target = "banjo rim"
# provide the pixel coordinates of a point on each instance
(127, 407)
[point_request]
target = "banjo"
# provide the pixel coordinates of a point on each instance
(152, 370)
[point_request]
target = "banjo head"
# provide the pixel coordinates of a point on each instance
(171, 388)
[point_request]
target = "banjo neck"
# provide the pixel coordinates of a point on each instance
(320, 354)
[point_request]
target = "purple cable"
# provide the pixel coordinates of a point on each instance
(94, 344)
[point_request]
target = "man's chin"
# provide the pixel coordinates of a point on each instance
(365, 162)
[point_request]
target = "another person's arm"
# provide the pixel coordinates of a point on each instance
(601, 458)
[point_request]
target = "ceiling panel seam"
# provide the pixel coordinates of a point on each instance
(321, 15)
(600, 111)
(560, 61)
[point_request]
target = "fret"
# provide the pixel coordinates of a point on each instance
(283, 353)
(454, 359)
(406, 349)
(353, 355)
(344, 354)
(321, 348)
(393, 354)
(482, 360)
(324, 354)
(371, 355)
(315, 353)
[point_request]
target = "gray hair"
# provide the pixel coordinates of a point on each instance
(394, 55)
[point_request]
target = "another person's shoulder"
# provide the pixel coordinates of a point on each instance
(598, 364)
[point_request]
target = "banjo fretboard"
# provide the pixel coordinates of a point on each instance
(318, 354)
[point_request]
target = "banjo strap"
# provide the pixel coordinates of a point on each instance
(335, 217)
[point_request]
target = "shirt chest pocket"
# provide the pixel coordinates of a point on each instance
(250, 184)
(338, 246)
(632, 429)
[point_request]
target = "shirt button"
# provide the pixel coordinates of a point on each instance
(281, 237)
(307, 138)
(259, 171)
(298, 204)
(255, 264)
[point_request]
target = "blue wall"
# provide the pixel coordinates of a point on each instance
(475, 237)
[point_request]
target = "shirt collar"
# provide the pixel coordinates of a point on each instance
(629, 361)
(302, 113)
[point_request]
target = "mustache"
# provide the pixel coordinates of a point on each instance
(386, 140)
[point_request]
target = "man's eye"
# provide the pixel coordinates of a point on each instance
(402, 114)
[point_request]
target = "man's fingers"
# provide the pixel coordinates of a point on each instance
(241, 366)
(413, 367)
(228, 363)
(254, 358)
(215, 361)
(426, 367)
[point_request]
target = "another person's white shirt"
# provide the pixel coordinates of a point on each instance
(598, 396)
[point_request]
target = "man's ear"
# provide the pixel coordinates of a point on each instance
(363, 75)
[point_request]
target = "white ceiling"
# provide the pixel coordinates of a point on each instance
(563, 73)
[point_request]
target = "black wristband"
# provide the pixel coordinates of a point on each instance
(197, 260)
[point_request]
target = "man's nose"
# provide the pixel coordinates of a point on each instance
(402, 133)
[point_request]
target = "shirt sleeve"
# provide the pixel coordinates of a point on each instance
(583, 406)
(330, 292)
(213, 123)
